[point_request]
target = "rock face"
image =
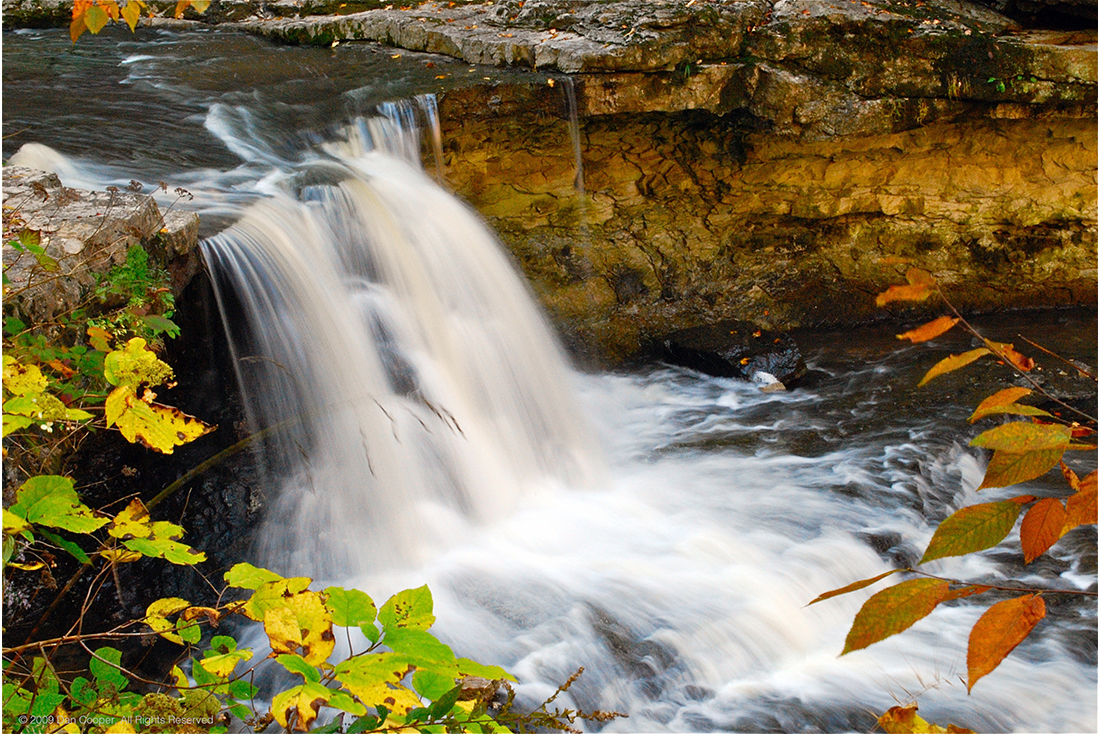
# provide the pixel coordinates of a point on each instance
(84, 234)
(737, 349)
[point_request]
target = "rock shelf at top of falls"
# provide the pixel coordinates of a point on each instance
(754, 160)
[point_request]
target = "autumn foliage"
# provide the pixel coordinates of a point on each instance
(93, 15)
(1022, 450)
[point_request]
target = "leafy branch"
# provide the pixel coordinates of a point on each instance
(1023, 450)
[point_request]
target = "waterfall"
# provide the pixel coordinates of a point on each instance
(402, 357)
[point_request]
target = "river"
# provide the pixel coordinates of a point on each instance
(662, 528)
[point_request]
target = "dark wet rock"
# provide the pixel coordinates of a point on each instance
(737, 349)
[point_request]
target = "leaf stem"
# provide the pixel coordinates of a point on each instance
(1031, 589)
(1034, 383)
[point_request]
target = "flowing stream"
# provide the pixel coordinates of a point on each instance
(661, 528)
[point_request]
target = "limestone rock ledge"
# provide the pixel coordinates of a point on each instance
(690, 218)
(86, 233)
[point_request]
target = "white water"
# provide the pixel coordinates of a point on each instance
(581, 520)
(663, 529)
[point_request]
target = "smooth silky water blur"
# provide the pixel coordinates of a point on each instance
(661, 528)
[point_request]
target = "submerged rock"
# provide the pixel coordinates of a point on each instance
(738, 349)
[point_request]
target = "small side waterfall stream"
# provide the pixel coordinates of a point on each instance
(662, 528)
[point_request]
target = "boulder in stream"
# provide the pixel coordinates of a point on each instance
(738, 349)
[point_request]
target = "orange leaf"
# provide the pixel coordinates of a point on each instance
(77, 27)
(930, 330)
(1006, 351)
(919, 288)
(111, 8)
(1020, 437)
(180, 7)
(972, 529)
(1041, 528)
(894, 610)
(80, 6)
(852, 587)
(1005, 402)
(1081, 506)
(997, 633)
(952, 363)
(1007, 468)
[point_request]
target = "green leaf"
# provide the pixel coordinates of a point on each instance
(83, 692)
(242, 689)
(161, 325)
(221, 645)
(350, 607)
(51, 500)
(434, 685)
(189, 632)
(972, 529)
(247, 576)
(444, 703)
(104, 666)
(364, 723)
(894, 610)
(410, 608)
(1021, 437)
(344, 702)
(1006, 468)
(371, 632)
(297, 664)
(421, 647)
(68, 546)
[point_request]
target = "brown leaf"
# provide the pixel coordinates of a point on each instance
(1071, 476)
(894, 610)
(1009, 353)
(1081, 505)
(856, 586)
(1003, 626)
(930, 330)
(1007, 468)
(1041, 528)
(952, 363)
(919, 288)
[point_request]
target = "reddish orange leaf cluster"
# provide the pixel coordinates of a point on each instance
(93, 15)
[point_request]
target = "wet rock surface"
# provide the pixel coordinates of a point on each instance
(738, 349)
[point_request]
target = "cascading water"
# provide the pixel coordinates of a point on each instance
(662, 528)
(391, 332)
